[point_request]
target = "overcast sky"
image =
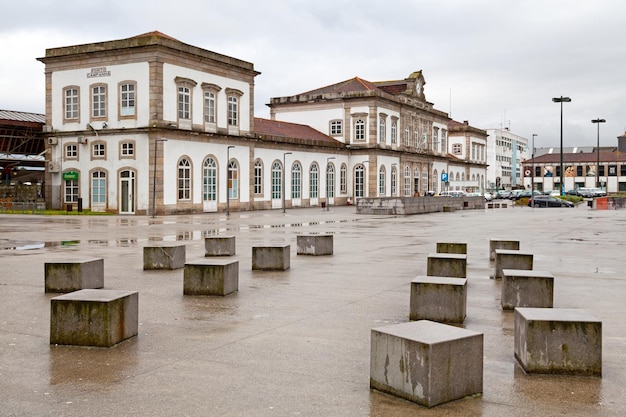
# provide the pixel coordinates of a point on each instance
(492, 62)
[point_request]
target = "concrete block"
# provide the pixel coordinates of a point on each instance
(558, 341)
(446, 265)
(93, 317)
(271, 258)
(501, 244)
(74, 275)
(524, 288)
(315, 245)
(211, 277)
(219, 246)
(426, 362)
(448, 209)
(440, 299)
(452, 247)
(512, 259)
(164, 257)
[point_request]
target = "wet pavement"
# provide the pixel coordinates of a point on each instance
(297, 342)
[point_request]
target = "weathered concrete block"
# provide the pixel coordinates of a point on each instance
(450, 247)
(219, 246)
(164, 257)
(501, 244)
(558, 341)
(448, 209)
(440, 299)
(315, 245)
(68, 276)
(211, 277)
(271, 258)
(512, 259)
(524, 288)
(93, 317)
(426, 362)
(446, 265)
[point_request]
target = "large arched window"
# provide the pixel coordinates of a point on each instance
(382, 131)
(435, 182)
(381, 181)
(233, 180)
(184, 179)
(407, 181)
(359, 181)
(330, 180)
(394, 181)
(258, 177)
(209, 180)
(343, 178)
(425, 183)
(98, 188)
(296, 181)
(277, 180)
(314, 181)
(359, 130)
(416, 180)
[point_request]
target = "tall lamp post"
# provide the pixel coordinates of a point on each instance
(228, 148)
(598, 121)
(283, 187)
(562, 100)
(156, 143)
(532, 168)
(327, 184)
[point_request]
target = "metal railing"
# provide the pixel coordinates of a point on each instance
(21, 207)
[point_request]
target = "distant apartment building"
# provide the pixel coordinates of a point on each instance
(505, 153)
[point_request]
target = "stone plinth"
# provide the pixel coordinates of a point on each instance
(211, 277)
(426, 362)
(512, 259)
(446, 265)
(271, 258)
(450, 247)
(440, 299)
(74, 275)
(501, 244)
(164, 257)
(219, 246)
(93, 317)
(558, 341)
(315, 245)
(524, 288)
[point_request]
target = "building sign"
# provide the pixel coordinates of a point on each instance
(99, 72)
(70, 176)
(444, 176)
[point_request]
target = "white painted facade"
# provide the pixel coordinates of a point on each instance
(505, 153)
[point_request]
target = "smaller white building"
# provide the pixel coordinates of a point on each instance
(505, 153)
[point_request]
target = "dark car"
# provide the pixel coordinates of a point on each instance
(548, 201)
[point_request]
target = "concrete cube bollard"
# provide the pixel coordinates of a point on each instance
(501, 244)
(512, 259)
(164, 257)
(441, 299)
(450, 247)
(426, 362)
(524, 288)
(558, 341)
(219, 246)
(211, 277)
(446, 265)
(93, 317)
(315, 245)
(68, 276)
(271, 258)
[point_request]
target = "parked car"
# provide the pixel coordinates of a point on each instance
(488, 196)
(554, 193)
(503, 194)
(453, 194)
(548, 201)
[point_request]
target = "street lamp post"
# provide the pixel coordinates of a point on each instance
(598, 121)
(327, 184)
(228, 148)
(156, 143)
(532, 168)
(284, 169)
(562, 100)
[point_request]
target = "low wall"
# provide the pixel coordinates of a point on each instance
(416, 205)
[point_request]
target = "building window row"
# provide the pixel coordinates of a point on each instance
(99, 100)
(99, 150)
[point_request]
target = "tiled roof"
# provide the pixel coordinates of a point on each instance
(19, 116)
(347, 86)
(606, 156)
(277, 128)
